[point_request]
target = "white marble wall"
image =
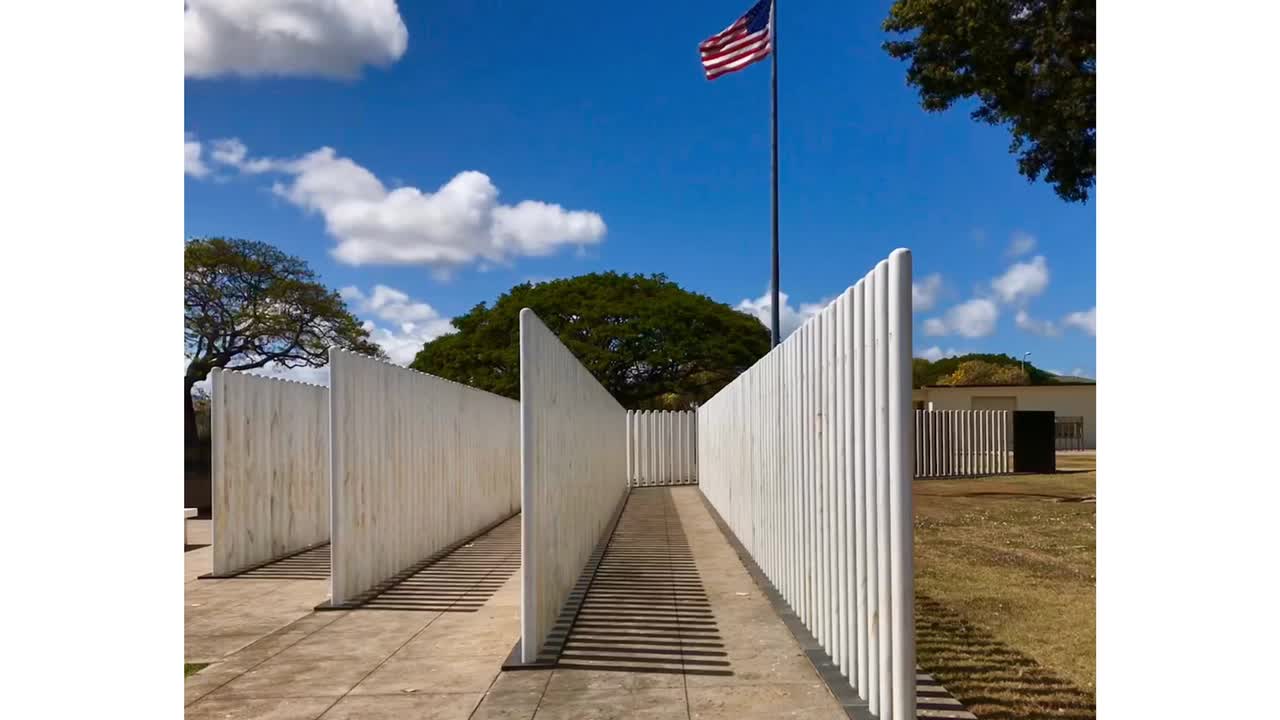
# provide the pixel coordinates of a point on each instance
(270, 469)
(808, 458)
(574, 474)
(662, 447)
(418, 463)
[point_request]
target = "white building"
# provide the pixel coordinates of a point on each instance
(1073, 404)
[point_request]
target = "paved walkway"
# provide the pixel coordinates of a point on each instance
(673, 627)
(227, 614)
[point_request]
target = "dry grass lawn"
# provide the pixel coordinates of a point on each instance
(1005, 576)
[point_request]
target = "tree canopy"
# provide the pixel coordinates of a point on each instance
(249, 304)
(652, 344)
(1030, 64)
(978, 369)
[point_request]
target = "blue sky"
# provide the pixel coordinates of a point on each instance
(602, 109)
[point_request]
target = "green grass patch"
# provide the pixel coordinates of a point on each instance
(193, 668)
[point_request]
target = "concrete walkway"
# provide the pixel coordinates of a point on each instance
(673, 627)
(227, 614)
(433, 657)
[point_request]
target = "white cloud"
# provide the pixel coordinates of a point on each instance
(1021, 243)
(975, 318)
(1081, 372)
(193, 165)
(1032, 325)
(935, 353)
(789, 317)
(924, 294)
(411, 324)
(334, 38)
(1022, 281)
(460, 223)
(1084, 320)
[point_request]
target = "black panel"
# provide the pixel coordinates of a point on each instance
(1033, 441)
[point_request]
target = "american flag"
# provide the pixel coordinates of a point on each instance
(747, 40)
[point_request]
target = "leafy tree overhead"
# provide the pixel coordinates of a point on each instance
(1030, 64)
(652, 344)
(249, 304)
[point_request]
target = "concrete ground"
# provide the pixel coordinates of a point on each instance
(673, 627)
(227, 614)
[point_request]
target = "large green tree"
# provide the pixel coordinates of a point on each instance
(249, 304)
(651, 343)
(1028, 63)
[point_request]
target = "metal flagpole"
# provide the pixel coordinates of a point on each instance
(773, 40)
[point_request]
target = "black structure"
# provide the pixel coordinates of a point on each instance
(1034, 441)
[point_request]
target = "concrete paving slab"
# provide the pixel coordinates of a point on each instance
(426, 706)
(377, 662)
(260, 709)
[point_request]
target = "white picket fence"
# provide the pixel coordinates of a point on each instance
(573, 475)
(951, 443)
(418, 463)
(269, 469)
(808, 458)
(662, 447)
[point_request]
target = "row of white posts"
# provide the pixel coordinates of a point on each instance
(951, 443)
(388, 464)
(662, 447)
(808, 458)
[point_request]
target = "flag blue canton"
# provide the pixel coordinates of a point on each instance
(758, 16)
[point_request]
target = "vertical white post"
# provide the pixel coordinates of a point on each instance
(882, 488)
(873, 508)
(859, 489)
(842, 514)
(900, 501)
(828, 480)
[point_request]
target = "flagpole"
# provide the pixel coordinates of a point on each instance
(773, 39)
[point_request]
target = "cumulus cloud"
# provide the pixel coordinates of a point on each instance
(334, 38)
(410, 324)
(1022, 281)
(192, 150)
(1045, 328)
(1085, 321)
(924, 294)
(975, 318)
(1021, 243)
(461, 222)
(935, 353)
(789, 317)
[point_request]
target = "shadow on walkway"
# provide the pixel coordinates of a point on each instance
(646, 610)
(310, 564)
(462, 580)
(992, 679)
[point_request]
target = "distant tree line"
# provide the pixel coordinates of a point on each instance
(978, 369)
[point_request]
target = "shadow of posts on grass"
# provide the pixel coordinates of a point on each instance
(993, 680)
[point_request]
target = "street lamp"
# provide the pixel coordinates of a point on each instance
(1025, 355)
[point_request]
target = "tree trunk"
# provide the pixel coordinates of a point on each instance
(191, 435)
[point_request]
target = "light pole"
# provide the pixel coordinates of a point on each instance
(1025, 355)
